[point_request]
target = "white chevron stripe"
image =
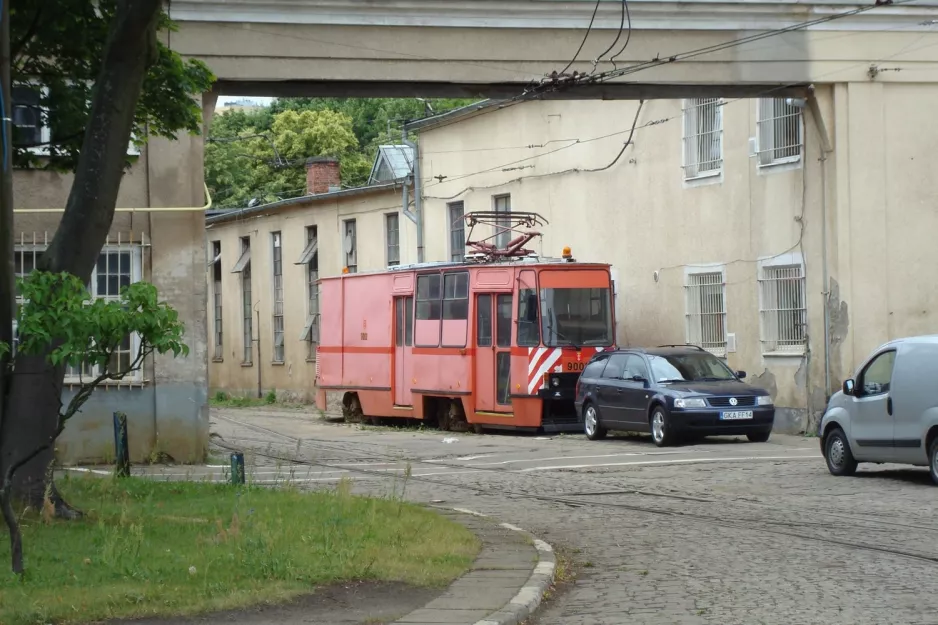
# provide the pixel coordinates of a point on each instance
(538, 381)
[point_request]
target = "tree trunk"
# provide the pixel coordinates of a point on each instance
(32, 403)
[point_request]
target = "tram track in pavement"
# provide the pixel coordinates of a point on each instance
(435, 463)
(577, 499)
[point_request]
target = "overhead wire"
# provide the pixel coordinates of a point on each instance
(682, 56)
(628, 37)
(618, 36)
(656, 122)
(546, 86)
(585, 37)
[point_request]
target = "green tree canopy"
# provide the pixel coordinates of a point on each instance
(261, 154)
(57, 47)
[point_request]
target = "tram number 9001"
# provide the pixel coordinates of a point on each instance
(575, 367)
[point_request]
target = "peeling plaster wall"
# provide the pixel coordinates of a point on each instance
(169, 413)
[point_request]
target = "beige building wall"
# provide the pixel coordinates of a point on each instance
(639, 214)
(167, 404)
(292, 379)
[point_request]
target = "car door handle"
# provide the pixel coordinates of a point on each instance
(618, 391)
(889, 406)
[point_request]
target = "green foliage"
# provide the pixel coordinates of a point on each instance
(271, 397)
(262, 154)
(61, 43)
(57, 312)
(149, 548)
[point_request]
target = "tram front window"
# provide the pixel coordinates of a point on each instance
(577, 317)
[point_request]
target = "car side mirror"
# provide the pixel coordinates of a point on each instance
(849, 387)
(741, 374)
(638, 378)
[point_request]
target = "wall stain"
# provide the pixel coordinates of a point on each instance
(766, 380)
(839, 316)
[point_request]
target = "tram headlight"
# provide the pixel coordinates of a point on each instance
(555, 381)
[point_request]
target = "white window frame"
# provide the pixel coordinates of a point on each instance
(388, 245)
(697, 320)
(770, 334)
(451, 230)
(690, 143)
(278, 337)
(218, 325)
(310, 261)
(247, 323)
(502, 238)
(764, 147)
(350, 258)
(136, 275)
(46, 131)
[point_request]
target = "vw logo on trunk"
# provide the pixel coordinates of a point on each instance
(733, 401)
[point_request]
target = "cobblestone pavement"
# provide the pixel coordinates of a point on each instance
(722, 532)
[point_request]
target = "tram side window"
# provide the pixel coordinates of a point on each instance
(456, 296)
(409, 322)
(484, 321)
(429, 306)
(528, 328)
(399, 321)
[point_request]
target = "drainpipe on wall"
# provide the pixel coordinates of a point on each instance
(260, 393)
(418, 199)
(826, 148)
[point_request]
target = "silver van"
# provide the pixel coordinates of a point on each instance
(888, 412)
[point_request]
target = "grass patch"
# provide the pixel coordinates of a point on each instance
(221, 399)
(148, 548)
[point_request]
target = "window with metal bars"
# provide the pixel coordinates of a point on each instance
(457, 231)
(310, 258)
(217, 300)
(277, 269)
(392, 239)
(705, 311)
(243, 266)
(703, 137)
(503, 233)
(118, 266)
(779, 132)
(782, 309)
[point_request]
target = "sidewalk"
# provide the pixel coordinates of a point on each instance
(504, 585)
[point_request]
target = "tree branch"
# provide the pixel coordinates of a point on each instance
(29, 34)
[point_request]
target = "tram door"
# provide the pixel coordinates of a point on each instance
(493, 352)
(403, 341)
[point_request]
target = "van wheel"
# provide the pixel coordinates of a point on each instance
(592, 425)
(933, 460)
(661, 427)
(840, 460)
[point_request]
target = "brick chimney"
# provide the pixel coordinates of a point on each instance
(322, 175)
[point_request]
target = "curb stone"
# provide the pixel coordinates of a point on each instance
(530, 591)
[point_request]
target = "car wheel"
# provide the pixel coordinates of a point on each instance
(759, 437)
(840, 460)
(661, 427)
(933, 460)
(592, 425)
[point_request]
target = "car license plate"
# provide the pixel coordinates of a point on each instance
(736, 415)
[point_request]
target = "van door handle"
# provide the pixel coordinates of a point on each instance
(889, 406)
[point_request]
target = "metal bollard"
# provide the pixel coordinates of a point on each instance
(121, 449)
(237, 468)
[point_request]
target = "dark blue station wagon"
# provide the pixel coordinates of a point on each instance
(673, 392)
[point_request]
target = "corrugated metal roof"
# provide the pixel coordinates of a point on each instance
(399, 160)
(237, 213)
